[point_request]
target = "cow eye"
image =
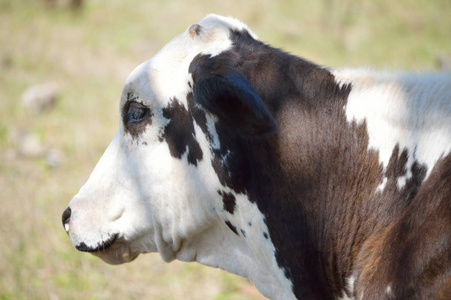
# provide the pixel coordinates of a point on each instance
(136, 112)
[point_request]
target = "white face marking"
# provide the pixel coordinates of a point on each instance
(411, 110)
(154, 201)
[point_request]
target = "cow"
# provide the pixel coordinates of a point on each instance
(313, 183)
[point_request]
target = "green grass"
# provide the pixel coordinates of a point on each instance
(89, 54)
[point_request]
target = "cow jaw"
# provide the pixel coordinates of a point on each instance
(251, 257)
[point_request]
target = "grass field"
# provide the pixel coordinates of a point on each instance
(88, 55)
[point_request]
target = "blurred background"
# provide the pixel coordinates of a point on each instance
(62, 66)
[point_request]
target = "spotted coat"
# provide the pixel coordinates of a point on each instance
(314, 183)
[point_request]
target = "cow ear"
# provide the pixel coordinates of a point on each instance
(230, 96)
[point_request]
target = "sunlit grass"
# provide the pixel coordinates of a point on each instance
(89, 54)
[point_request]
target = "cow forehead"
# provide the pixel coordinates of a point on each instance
(165, 76)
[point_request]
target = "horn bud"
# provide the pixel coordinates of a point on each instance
(195, 30)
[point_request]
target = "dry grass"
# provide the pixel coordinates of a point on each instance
(88, 54)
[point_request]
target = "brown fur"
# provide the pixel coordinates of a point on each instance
(316, 180)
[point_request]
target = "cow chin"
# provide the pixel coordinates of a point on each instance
(116, 255)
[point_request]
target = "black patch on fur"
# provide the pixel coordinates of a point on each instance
(233, 228)
(286, 272)
(179, 133)
(243, 232)
(232, 169)
(396, 168)
(229, 95)
(229, 201)
(315, 180)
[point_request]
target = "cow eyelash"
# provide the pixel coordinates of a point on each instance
(135, 113)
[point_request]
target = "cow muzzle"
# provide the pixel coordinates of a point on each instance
(112, 249)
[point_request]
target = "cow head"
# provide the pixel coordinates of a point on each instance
(172, 180)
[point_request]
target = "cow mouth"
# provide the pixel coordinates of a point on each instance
(102, 246)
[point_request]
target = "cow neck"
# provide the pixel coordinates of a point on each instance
(300, 177)
(217, 246)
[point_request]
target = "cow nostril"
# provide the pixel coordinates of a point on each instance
(116, 215)
(66, 218)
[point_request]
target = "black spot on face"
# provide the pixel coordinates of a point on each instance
(179, 133)
(243, 232)
(233, 228)
(132, 97)
(229, 201)
(265, 235)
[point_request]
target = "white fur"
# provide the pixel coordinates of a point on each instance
(382, 185)
(156, 202)
(388, 290)
(350, 289)
(411, 110)
(211, 123)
